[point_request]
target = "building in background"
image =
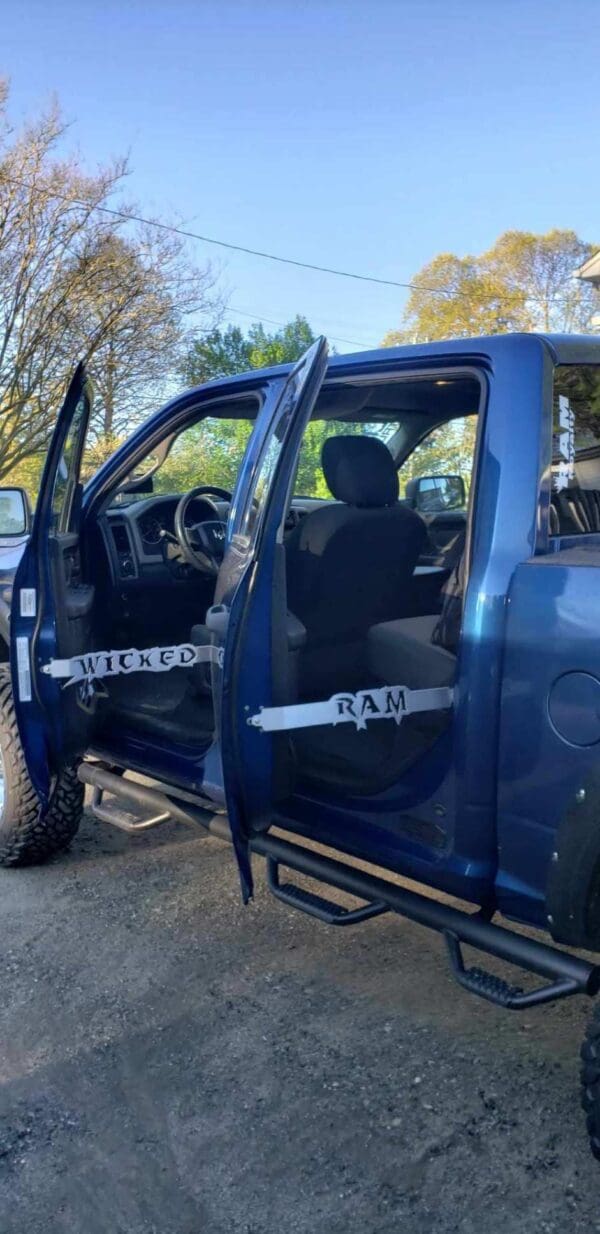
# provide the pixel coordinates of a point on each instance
(590, 271)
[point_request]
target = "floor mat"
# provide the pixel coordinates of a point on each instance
(165, 704)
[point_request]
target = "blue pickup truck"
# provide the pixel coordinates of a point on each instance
(401, 664)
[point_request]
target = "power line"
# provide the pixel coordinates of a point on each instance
(271, 321)
(225, 244)
(240, 248)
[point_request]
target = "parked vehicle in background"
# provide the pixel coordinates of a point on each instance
(15, 526)
(406, 670)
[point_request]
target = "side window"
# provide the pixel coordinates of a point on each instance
(446, 453)
(67, 472)
(575, 501)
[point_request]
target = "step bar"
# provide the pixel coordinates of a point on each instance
(566, 974)
(158, 803)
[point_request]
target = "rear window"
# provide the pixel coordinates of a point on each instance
(575, 502)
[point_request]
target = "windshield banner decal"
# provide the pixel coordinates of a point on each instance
(381, 703)
(563, 471)
(91, 665)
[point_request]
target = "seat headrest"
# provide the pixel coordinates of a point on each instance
(359, 471)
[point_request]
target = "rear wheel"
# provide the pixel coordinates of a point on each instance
(25, 836)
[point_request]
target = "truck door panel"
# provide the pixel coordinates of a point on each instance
(57, 620)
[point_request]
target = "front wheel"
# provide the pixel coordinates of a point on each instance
(26, 836)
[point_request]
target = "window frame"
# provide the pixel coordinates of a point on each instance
(556, 542)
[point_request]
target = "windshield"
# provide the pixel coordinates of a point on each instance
(211, 451)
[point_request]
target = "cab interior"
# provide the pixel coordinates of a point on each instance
(375, 565)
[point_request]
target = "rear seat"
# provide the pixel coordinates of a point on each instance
(420, 652)
(401, 653)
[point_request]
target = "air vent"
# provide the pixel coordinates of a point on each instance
(122, 544)
(120, 537)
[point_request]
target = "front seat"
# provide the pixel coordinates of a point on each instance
(349, 565)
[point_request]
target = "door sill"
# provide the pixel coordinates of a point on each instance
(106, 757)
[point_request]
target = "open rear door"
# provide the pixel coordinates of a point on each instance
(249, 616)
(52, 606)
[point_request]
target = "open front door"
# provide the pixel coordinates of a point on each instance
(52, 606)
(249, 614)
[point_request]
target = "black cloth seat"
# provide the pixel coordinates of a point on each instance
(350, 564)
(403, 653)
(368, 760)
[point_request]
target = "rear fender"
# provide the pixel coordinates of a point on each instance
(573, 887)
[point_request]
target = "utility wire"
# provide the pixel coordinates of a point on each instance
(272, 322)
(240, 248)
(225, 244)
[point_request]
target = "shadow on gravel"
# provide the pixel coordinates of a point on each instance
(173, 1063)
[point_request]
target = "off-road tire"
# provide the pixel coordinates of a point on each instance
(590, 1081)
(25, 836)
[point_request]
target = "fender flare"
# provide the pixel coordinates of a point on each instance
(573, 883)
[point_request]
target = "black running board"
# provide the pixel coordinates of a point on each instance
(566, 974)
(316, 905)
(159, 804)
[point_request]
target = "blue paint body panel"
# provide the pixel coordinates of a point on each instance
(524, 730)
(552, 631)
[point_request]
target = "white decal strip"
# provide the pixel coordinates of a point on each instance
(564, 471)
(92, 665)
(382, 703)
(23, 669)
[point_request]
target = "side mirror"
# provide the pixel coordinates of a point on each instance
(434, 494)
(143, 484)
(15, 512)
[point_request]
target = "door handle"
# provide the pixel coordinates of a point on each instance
(217, 620)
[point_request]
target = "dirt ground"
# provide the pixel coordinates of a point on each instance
(173, 1063)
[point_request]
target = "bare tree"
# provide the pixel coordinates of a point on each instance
(140, 299)
(76, 282)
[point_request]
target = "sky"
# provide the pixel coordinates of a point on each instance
(363, 136)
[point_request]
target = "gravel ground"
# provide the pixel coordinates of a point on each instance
(173, 1063)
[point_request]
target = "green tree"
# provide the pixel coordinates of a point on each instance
(524, 282)
(223, 353)
(209, 452)
(448, 450)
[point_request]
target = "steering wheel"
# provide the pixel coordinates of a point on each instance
(202, 544)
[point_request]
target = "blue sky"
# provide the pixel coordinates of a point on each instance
(366, 136)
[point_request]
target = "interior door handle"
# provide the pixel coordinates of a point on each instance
(217, 620)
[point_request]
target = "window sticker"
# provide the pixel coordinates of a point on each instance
(28, 601)
(381, 703)
(563, 471)
(92, 665)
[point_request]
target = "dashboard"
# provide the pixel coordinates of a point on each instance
(136, 535)
(139, 551)
(158, 517)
